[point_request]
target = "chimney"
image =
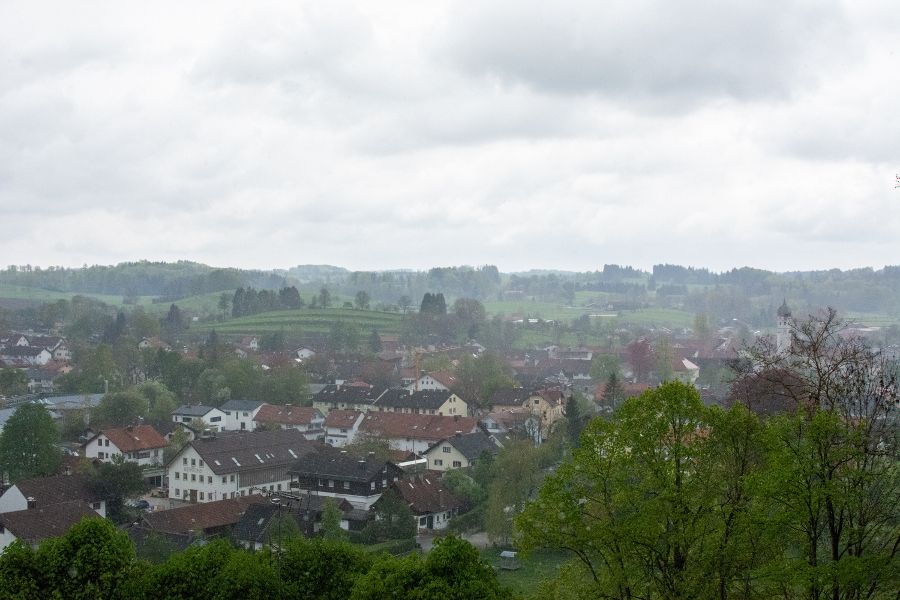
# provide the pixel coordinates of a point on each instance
(32, 503)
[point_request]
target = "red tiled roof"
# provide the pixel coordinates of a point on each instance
(287, 414)
(428, 495)
(341, 418)
(445, 378)
(37, 524)
(133, 439)
(421, 427)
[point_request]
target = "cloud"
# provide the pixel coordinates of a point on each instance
(656, 54)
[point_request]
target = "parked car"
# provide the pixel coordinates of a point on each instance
(139, 504)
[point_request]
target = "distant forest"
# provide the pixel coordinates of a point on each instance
(746, 293)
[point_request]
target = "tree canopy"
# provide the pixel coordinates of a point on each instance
(28, 444)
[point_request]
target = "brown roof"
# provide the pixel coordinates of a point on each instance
(428, 495)
(287, 414)
(445, 378)
(57, 489)
(132, 439)
(421, 427)
(201, 516)
(37, 524)
(341, 418)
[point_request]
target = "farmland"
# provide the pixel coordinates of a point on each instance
(306, 320)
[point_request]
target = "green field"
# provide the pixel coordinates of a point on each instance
(306, 320)
(18, 292)
(535, 567)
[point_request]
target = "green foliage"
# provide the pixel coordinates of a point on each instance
(321, 569)
(393, 520)
(160, 400)
(118, 409)
(92, 560)
(115, 482)
(13, 382)
(331, 522)
(478, 378)
(28, 444)
(516, 476)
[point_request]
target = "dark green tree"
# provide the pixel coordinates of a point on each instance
(374, 342)
(28, 444)
(13, 382)
(118, 409)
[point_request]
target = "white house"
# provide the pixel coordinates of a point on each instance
(34, 525)
(141, 444)
(47, 492)
(431, 502)
(239, 414)
(231, 464)
(439, 380)
(413, 433)
(307, 419)
(424, 402)
(305, 353)
(460, 451)
(341, 427)
(198, 415)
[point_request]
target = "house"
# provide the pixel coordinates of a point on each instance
(685, 371)
(249, 343)
(307, 419)
(413, 433)
(239, 414)
(335, 473)
(232, 464)
(341, 426)
(460, 451)
(508, 398)
(430, 501)
(47, 492)
(25, 356)
(34, 525)
(346, 397)
(423, 402)
(209, 519)
(140, 444)
(517, 421)
(153, 343)
(304, 353)
(259, 523)
(439, 380)
(200, 416)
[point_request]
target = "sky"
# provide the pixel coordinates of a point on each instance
(409, 134)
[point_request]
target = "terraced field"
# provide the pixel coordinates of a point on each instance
(306, 320)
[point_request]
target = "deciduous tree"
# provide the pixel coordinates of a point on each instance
(28, 444)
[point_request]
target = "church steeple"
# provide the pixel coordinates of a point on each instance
(783, 334)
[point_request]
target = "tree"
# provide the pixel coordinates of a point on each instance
(331, 521)
(115, 482)
(13, 382)
(516, 476)
(574, 420)
(28, 444)
(833, 478)
(393, 519)
(604, 365)
(640, 357)
(118, 409)
(374, 342)
(324, 297)
(613, 392)
(225, 303)
(161, 402)
(634, 502)
(404, 302)
(362, 300)
(478, 378)
(702, 328)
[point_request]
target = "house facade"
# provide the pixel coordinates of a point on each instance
(239, 414)
(341, 427)
(460, 451)
(199, 416)
(335, 473)
(424, 402)
(233, 464)
(306, 419)
(141, 444)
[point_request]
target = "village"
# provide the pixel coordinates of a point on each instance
(366, 430)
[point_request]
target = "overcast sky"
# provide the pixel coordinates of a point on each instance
(386, 134)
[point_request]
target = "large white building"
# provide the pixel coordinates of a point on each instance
(232, 464)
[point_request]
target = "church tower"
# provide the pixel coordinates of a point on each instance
(783, 335)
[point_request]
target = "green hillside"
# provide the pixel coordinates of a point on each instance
(306, 320)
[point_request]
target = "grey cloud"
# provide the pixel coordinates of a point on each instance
(673, 53)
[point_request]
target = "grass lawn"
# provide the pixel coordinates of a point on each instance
(537, 566)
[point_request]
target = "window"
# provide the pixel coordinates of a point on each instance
(346, 485)
(209, 479)
(176, 491)
(246, 415)
(224, 479)
(438, 462)
(201, 464)
(96, 505)
(331, 483)
(279, 487)
(193, 462)
(343, 430)
(372, 486)
(232, 478)
(201, 495)
(423, 521)
(176, 475)
(193, 477)
(232, 494)
(184, 461)
(228, 413)
(446, 449)
(384, 483)
(215, 419)
(457, 464)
